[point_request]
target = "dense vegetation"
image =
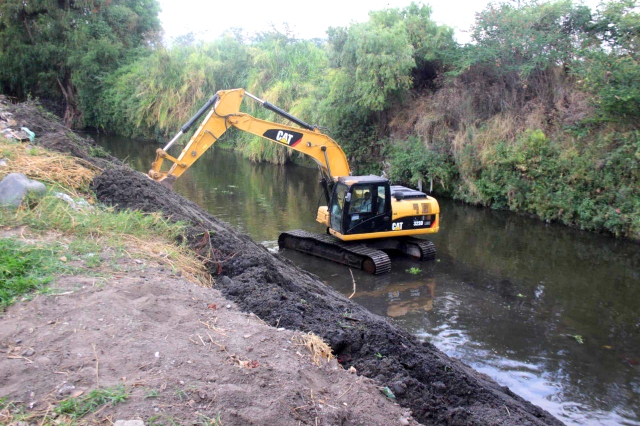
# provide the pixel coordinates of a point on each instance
(55, 49)
(539, 114)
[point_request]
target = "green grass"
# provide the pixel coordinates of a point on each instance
(414, 270)
(79, 407)
(66, 412)
(98, 152)
(55, 214)
(208, 421)
(27, 267)
(24, 268)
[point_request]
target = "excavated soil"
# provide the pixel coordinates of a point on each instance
(53, 135)
(437, 388)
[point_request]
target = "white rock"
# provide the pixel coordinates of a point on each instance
(15, 186)
(129, 423)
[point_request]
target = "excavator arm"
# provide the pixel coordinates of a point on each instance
(225, 113)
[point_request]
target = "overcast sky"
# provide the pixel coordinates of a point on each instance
(208, 19)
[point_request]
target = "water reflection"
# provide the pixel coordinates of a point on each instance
(551, 312)
(401, 299)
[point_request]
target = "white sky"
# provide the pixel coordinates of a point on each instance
(208, 19)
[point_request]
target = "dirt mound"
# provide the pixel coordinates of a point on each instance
(183, 352)
(437, 388)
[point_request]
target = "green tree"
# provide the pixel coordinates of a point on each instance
(525, 39)
(63, 49)
(285, 71)
(609, 67)
(373, 67)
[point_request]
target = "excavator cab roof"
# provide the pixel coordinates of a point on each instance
(352, 180)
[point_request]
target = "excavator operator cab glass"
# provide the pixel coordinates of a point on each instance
(337, 205)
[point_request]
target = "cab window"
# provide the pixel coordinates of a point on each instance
(382, 192)
(337, 206)
(361, 200)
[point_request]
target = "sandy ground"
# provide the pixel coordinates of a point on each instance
(186, 354)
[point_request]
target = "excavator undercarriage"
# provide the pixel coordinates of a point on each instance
(368, 256)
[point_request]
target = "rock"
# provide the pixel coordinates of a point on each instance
(439, 386)
(129, 423)
(3, 162)
(403, 421)
(15, 186)
(66, 389)
(43, 360)
(226, 281)
(398, 388)
(29, 352)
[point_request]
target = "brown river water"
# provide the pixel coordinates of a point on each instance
(551, 312)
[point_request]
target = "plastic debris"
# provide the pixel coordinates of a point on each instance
(75, 204)
(387, 392)
(30, 134)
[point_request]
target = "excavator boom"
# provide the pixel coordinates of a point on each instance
(225, 113)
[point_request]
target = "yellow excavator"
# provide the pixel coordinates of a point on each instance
(365, 216)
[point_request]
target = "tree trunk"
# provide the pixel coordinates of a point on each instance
(72, 116)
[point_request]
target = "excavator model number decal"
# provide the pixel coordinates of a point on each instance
(284, 137)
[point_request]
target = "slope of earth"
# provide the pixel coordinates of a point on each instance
(437, 388)
(183, 354)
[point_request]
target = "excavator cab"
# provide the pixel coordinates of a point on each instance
(360, 205)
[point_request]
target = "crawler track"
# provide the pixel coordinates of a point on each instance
(427, 248)
(356, 255)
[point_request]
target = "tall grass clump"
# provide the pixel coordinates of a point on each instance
(155, 96)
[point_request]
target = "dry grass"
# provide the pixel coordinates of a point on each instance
(56, 169)
(74, 175)
(179, 258)
(318, 348)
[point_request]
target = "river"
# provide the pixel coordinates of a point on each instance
(551, 312)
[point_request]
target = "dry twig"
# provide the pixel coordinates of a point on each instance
(354, 284)
(97, 365)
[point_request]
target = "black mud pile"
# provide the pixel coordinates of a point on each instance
(438, 389)
(53, 135)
